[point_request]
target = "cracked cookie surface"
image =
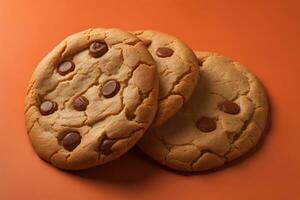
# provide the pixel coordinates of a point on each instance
(91, 98)
(223, 119)
(178, 72)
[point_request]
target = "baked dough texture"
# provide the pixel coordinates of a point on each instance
(178, 72)
(109, 118)
(230, 129)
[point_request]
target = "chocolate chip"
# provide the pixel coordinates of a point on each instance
(206, 124)
(164, 52)
(65, 67)
(80, 103)
(47, 107)
(106, 145)
(229, 107)
(71, 140)
(110, 88)
(98, 49)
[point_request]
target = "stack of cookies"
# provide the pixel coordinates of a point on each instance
(101, 91)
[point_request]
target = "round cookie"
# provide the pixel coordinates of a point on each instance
(223, 119)
(178, 72)
(91, 98)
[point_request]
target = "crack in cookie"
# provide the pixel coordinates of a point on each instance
(67, 137)
(183, 145)
(178, 70)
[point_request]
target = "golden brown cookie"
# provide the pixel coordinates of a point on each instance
(178, 72)
(91, 98)
(223, 119)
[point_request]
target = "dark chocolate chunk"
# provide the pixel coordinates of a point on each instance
(164, 52)
(229, 107)
(106, 145)
(65, 67)
(71, 140)
(206, 124)
(48, 107)
(98, 49)
(110, 88)
(80, 103)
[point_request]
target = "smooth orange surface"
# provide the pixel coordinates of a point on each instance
(263, 35)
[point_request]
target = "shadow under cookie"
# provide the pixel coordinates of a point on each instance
(224, 119)
(130, 169)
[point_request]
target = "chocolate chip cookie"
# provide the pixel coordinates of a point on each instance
(223, 119)
(178, 72)
(91, 98)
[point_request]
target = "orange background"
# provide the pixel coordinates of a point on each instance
(264, 35)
